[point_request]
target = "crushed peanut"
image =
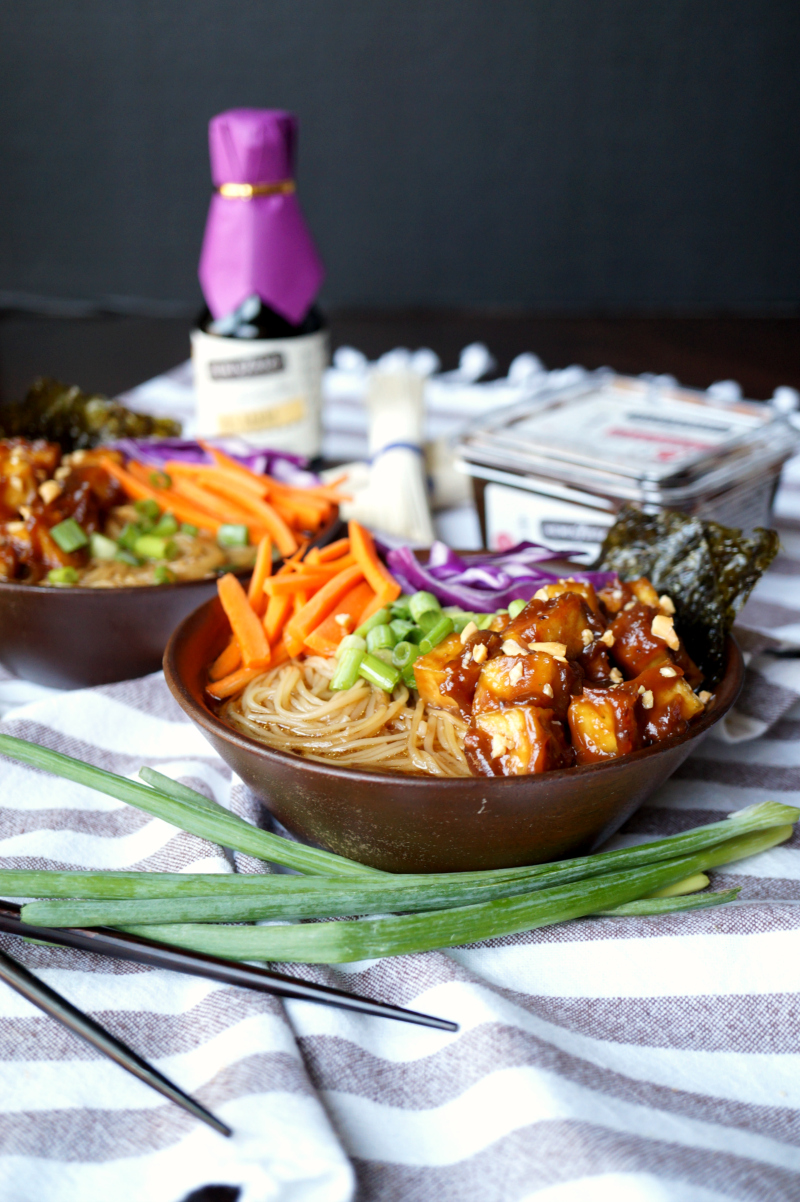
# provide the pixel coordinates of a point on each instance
(343, 620)
(467, 632)
(62, 472)
(515, 675)
(667, 605)
(663, 627)
(512, 647)
(607, 638)
(705, 696)
(541, 595)
(15, 527)
(480, 653)
(640, 690)
(616, 676)
(647, 699)
(557, 650)
(25, 512)
(586, 636)
(49, 491)
(667, 672)
(629, 604)
(499, 746)
(547, 689)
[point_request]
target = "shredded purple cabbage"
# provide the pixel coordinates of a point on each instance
(289, 469)
(485, 582)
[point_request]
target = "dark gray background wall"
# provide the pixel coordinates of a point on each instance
(534, 154)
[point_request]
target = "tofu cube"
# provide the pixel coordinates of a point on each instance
(603, 724)
(560, 619)
(536, 679)
(516, 741)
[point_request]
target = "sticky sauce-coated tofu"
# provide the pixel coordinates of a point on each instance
(635, 646)
(429, 671)
(581, 587)
(535, 679)
(562, 619)
(516, 741)
(665, 703)
(603, 724)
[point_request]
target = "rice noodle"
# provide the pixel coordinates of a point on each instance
(291, 708)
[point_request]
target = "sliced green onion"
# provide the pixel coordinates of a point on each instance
(68, 535)
(404, 654)
(62, 576)
(101, 547)
(429, 619)
(347, 669)
(188, 529)
(374, 670)
(400, 628)
(461, 621)
(421, 603)
(166, 526)
(126, 556)
(380, 637)
(221, 827)
(233, 536)
(399, 608)
(160, 480)
(484, 621)
(351, 642)
(128, 536)
(409, 679)
(515, 608)
(381, 618)
(148, 508)
(162, 575)
(149, 546)
(436, 634)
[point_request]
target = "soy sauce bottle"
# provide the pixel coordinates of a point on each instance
(260, 346)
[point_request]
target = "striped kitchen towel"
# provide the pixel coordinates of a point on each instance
(640, 1060)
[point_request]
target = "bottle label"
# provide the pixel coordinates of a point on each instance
(266, 390)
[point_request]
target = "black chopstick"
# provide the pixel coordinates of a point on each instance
(106, 941)
(59, 1008)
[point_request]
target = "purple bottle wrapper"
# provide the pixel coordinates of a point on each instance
(261, 245)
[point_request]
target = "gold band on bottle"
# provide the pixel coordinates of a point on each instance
(283, 187)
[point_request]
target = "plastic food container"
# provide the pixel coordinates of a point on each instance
(557, 468)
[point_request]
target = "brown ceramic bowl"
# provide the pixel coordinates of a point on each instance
(72, 638)
(404, 823)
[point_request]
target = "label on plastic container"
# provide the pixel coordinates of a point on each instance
(514, 515)
(268, 391)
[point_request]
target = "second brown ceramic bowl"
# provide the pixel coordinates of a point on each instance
(72, 638)
(404, 823)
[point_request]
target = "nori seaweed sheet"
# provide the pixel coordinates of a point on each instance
(708, 570)
(76, 420)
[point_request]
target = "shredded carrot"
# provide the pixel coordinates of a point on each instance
(363, 548)
(278, 610)
(201, 473)
(228, 661)
(279, 654)
(328, 635)
(254, 510)
(333, 550)
(319, 607)
(166, 498)
(261, 570)
(229, 685)
(223, 510)
(247, 629)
